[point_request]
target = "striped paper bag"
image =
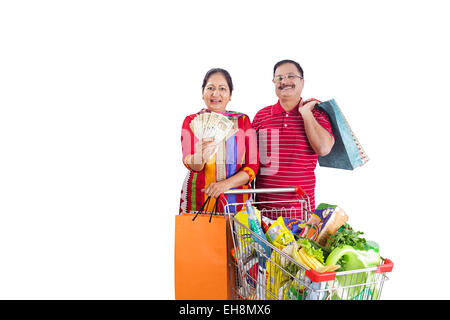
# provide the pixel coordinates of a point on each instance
(347, 153)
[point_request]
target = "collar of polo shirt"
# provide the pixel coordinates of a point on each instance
(277, 109)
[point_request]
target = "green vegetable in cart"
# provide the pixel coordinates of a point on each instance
(325, 250)
(372, 245)
(347, 236)
(352, 259)
(312, 250)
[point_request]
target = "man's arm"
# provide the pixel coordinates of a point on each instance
(319, 138)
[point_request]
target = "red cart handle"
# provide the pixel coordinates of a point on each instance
(320, 277)
(387, 266)
(315, 276)
(300, 191)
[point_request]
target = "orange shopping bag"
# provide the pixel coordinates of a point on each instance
(201, 257)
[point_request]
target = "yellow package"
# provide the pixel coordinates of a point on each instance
(275, 277)
(245, 239)
(272, 273)
(283, 292)
(279, 235)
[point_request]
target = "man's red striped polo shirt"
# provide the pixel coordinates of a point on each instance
(286, 157)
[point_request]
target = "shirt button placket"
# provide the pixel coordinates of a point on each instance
(283, 122)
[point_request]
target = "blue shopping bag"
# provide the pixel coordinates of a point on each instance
(347, 153)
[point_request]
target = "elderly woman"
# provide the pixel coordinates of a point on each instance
(217, 166)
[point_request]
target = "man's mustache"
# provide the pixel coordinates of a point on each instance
(281, 87)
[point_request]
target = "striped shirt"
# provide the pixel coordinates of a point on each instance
(286, 156)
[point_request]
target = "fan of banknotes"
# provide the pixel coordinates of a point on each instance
(211, 125)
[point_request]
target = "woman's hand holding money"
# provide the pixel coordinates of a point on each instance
(208, 149)
(203, 150)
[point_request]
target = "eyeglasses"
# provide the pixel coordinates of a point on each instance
(288, 76)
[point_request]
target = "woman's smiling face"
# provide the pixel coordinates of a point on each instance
(216, 93)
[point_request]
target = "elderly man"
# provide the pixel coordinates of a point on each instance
(291, 134)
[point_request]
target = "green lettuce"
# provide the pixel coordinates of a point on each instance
(351, 259)
(310, 250)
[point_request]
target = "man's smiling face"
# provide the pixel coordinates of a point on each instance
(288, 89)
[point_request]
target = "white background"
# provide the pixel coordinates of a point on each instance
(93, 95)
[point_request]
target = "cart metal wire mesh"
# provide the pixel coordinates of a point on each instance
(260, 271)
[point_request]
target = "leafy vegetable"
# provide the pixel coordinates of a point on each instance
(347, 236)
(325, 250)
(354, 259)
(310, 250)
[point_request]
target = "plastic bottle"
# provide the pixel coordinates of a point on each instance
(262, 250)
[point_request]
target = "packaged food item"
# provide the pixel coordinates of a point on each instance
(254, 219)
(284, 290)
(276, 278)
(251, 274)
(245, 240)
(297, 289)
(248, 278)
(266, 223)
(279, 235)
(242, 216)
(329, 218)
(302, 229)
(263, 251)
(316, 290)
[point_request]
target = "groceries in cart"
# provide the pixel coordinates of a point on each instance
(283, 230)
(282, 250)
(244, 239)
(330, 218)
(327, 242)
(249, 244)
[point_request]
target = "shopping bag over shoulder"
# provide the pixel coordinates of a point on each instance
(347, 153)
(201, 258)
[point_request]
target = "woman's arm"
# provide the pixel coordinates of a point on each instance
(216, 188)
(249, 168)
(202, 152)
(195, 153)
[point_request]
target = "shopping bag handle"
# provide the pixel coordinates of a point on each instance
(214, 210)
(297, 189)
(201, 209)
(204, 206)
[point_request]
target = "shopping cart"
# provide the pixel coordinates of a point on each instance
(260, 271)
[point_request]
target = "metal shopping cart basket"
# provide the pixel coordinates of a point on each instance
(260, 271)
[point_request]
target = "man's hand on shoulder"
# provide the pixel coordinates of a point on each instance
(319, 138)
(306, 106)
